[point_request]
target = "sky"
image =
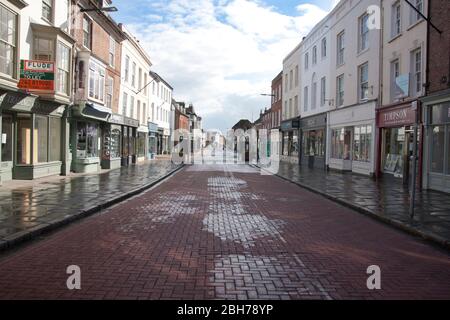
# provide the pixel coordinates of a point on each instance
(221, 55)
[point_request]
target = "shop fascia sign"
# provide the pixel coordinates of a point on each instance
(37, 75)
(402, 116)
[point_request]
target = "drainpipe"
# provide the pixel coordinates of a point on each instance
(379, 131)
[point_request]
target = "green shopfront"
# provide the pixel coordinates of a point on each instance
(33, 137)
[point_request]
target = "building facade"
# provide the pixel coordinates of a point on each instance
(134, 96)
(354, 87)
(315, 94)
(160, 108)
(290, 111)
(100, 135)
(436, 105)
(33, 114)
(403, 78)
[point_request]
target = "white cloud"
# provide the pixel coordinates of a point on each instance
(222, 55)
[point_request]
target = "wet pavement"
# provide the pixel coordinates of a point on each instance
(387, 198)
(226, 232)
(26, 206)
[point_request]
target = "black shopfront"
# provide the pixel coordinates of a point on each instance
(313, 134)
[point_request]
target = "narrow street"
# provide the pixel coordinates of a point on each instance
(226, 232)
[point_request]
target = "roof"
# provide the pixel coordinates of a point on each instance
(243, 124)
(159, 78)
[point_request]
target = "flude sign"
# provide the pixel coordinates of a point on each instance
(37, 75)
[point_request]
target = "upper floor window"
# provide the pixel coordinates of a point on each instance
(396, 19)
(364, 82)
(47, 10)
(291, 75)
(306, 99)
(133, 75)
(140, 79)
(296, 76)
(43, 49)
(323, 92)
(124, 104)
(8, 42)
(340, 90)
(314, 96)
(306, 61)
(395, 73)
(340, 48)
(363, 32)
(286, 83)
(87, 31)
(314, 55)
(127, 68)
(63, 64)
(416, 68)
(112, 51)
(415, 16)
(145, 83)
(96, 82)
(109, 92)
(324, 47)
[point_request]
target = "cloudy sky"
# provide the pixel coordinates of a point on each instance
(221, 55)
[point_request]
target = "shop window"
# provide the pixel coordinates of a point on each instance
(125, 141)
(438, 149)
(6, 138)
(362, 143)
(141, 144)
(285, 143)
(55, 139)
(8, 39)
(24, 140)
(41, 139)
(394, 150)
(87, 140)
(313, 143)
(341, 144)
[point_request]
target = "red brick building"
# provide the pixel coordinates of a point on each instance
(277, 101)
(436, 105)
(181, 120)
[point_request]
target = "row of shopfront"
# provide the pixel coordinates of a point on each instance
(41, 138)
(377, 142)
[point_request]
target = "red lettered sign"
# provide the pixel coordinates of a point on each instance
(37, 75)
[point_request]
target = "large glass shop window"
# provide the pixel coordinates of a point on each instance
(125, 142)
(285, 143)
(394, 150)
(24, 139)
(337, 143)
(294, 143)
(141, 144)
(87, 140)
(362, 143)
(313, 143)
(6, 138)
(438, 149)
(41, 139)
(111, 142)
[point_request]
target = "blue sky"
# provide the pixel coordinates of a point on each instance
(220, 54)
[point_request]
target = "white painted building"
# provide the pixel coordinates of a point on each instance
(290, 113)
(315, 93)
(354, 87)
(135, 89)
(160, 103)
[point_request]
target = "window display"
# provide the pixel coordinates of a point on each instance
(24, 140)
(362, 143)
(141, 144)
(87, 140)
(313, 143)
(55, 139)
(394, 151)
(438, 149)
(6, 140)
(41, 139)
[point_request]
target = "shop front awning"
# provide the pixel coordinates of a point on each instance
(92, 111)
(23, 102)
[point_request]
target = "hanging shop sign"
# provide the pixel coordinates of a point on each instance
(37, 75)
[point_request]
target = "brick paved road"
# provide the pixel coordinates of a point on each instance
(226, 232)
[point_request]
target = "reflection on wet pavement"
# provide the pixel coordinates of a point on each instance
(42, 202)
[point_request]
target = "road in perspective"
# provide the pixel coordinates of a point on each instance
(218, 231)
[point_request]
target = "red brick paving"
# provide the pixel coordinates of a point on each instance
(225, 235)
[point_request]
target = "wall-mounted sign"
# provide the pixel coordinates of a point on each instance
(402, 86)
(402, 116)
(37, 75)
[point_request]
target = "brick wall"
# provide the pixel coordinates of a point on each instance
(439, 53)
